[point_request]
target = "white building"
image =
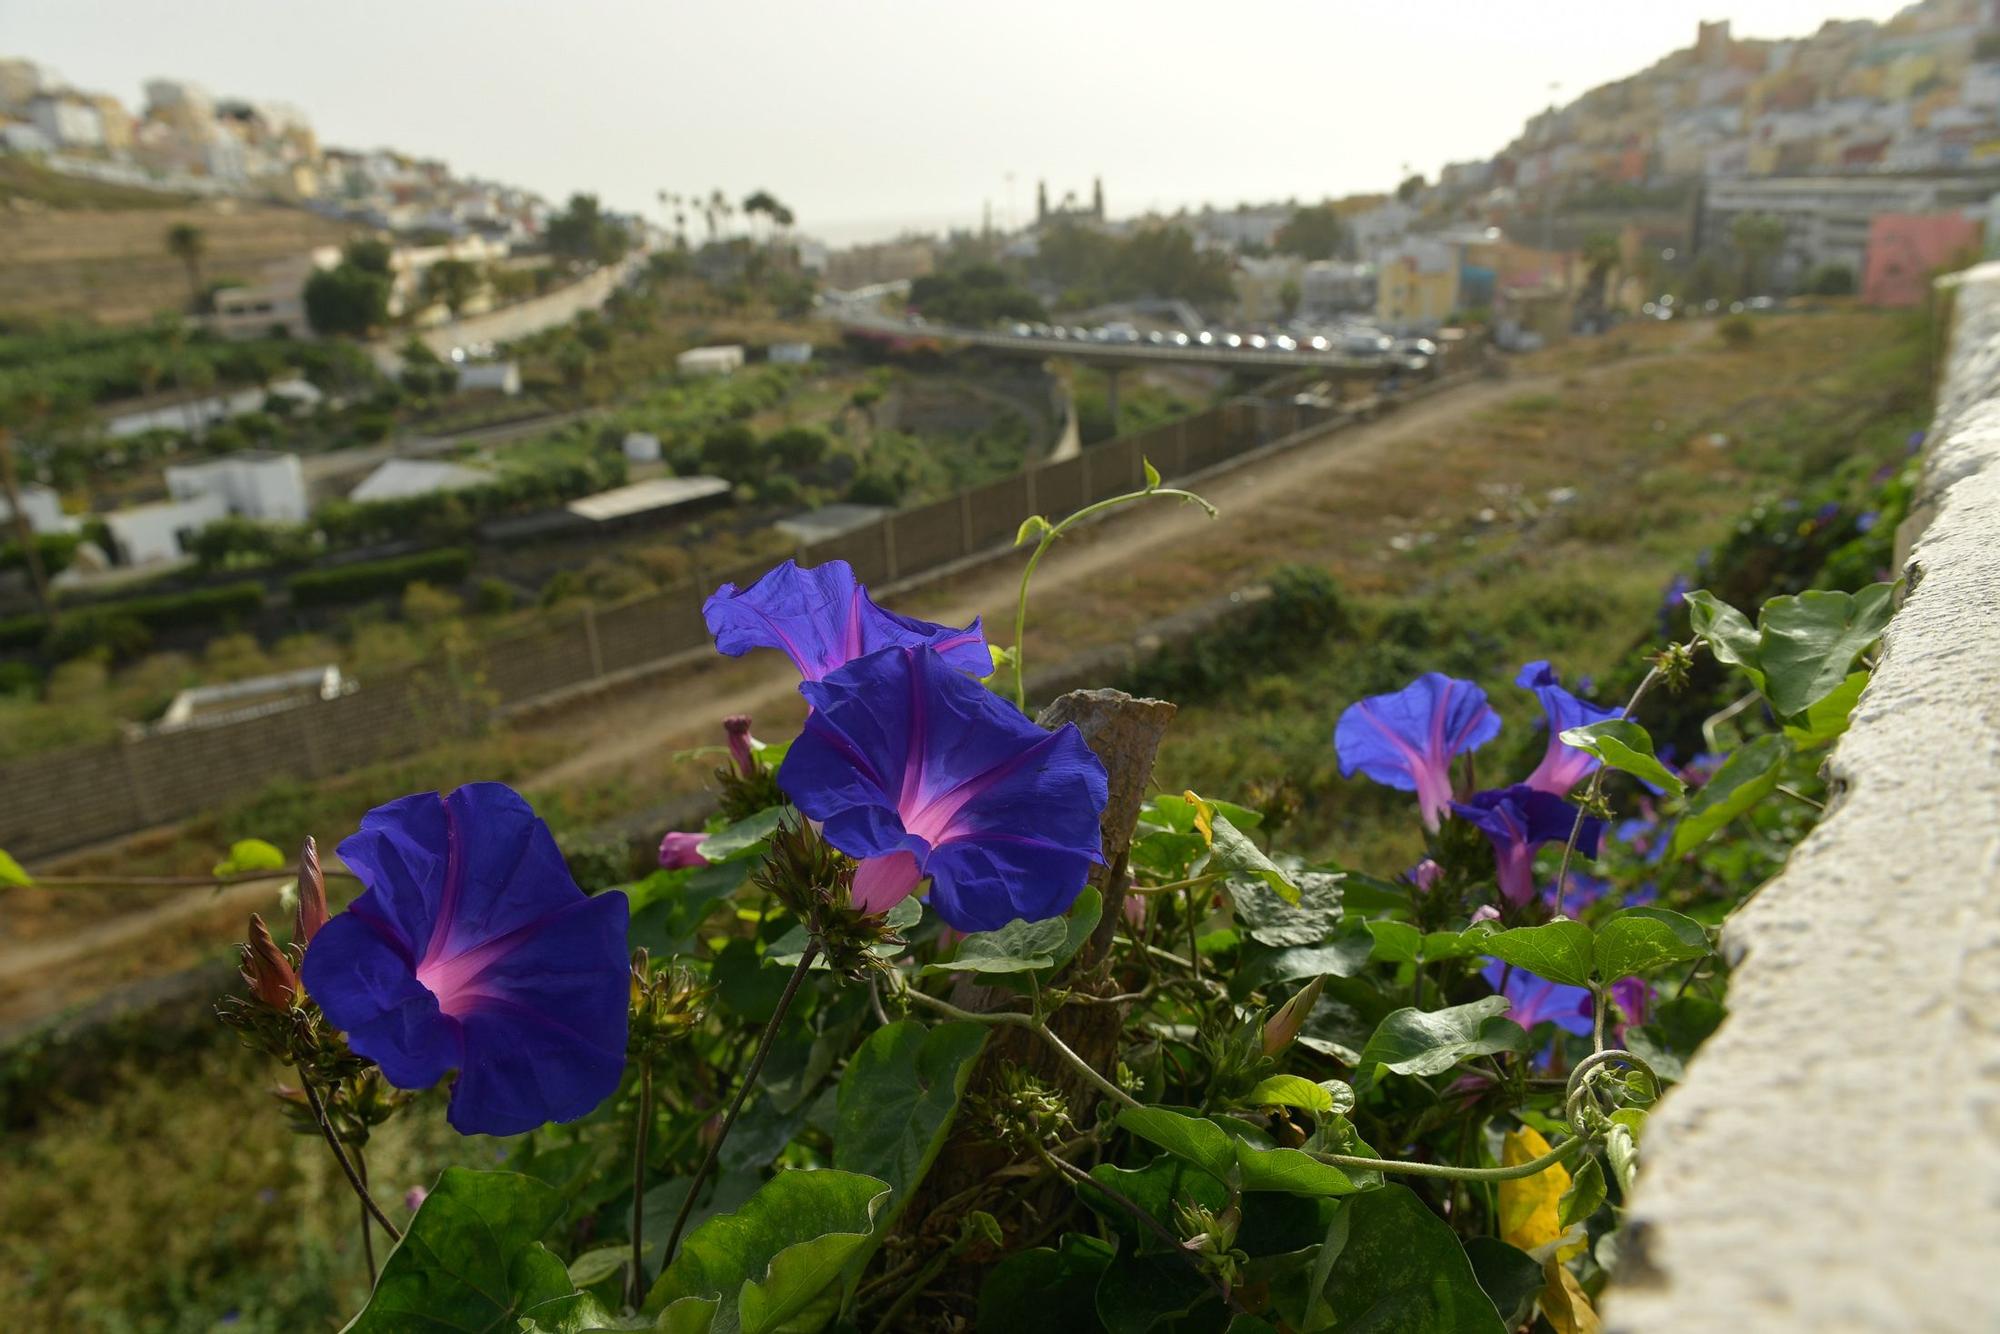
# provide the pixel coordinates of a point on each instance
(256, 484)
(70, 121)
(275, 301)
(44, 510)
(1330, 286)
(401, 478)
(145, 534)
(642, 447)
(1826, 217)
(21, 137)
(1380, 227)
(790, 354)
(710, 360)
(502, 377)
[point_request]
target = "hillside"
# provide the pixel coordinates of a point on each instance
(84, 250)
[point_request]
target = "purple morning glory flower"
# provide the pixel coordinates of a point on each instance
(823, 617)
(1563, 766)
(473, 950)
(1517, 820)
(1534, 1000)
(917, 770)
(1408, 739)
(1865, 521)
(1634, 997)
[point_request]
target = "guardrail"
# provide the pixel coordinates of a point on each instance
(64, 799)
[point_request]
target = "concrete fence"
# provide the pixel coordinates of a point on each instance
(64, 799)
(1832, 1161)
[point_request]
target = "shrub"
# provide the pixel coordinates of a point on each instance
(1737, 330)
(493, 597)
(872, 487)
(367, 579)
(779, 489)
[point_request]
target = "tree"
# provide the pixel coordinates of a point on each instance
(453, 282)
(1758, 238)
(583, 234)
(1601, 253)
(1288, 298)
(1313, 233)
(1831, 280)
(347, 299)
(188, 244)
(1411, 187)
(370, 254)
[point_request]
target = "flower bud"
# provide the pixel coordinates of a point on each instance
(677, 850)
(312, 895)
(737, 728)
(1425, 875)
(1283, 1027)
(266, 970)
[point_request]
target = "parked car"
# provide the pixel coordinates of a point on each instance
(1178, 339)
(1284, 343)
(1020, 330)
(1119, 332)
(1416, 347)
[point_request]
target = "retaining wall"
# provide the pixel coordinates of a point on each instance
(1832, 1161)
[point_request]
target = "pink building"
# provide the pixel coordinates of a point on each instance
(1906, 250)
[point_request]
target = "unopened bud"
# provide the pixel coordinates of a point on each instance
(266, 970)
(737, 728)
(678, 850)
(1283, 1027)
(312, 895)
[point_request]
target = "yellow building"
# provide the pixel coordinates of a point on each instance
(1416, 286)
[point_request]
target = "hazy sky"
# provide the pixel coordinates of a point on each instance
(868, 115)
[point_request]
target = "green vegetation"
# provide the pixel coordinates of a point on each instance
(369, 579)
(352, 297)
(582, 234)
(1090, 267)
(1314, 232)
(48, 370)
(974, 297)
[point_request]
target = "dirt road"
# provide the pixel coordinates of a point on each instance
(646, 723)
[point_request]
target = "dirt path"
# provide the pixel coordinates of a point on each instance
(133, 928)
(645, 722)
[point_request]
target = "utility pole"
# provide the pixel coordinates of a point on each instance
(24, 533)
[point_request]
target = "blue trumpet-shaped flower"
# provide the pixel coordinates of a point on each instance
(918, 771)
(823, 617)
(1408, 739)
(1534, 1000)
(1516, 820)
(473, 950)
(1562, 766)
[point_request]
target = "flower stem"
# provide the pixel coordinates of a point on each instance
(1651, 679)
(736, 1104)
(340, 1156)
(1056, 1044)
(637, 1278)
(1050, 533)
(1448, 1172)
(367, 1234)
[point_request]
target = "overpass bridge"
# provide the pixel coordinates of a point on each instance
(1110, 355)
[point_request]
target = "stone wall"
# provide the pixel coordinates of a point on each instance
(1832, 1161)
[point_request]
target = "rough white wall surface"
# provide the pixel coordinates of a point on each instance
(1833, 1161)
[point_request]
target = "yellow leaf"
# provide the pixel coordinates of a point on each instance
(1204, 817)
(1530, 1207)
(1564, 1304)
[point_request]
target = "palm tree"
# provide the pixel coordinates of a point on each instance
(188, 244)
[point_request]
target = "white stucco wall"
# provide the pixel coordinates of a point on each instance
(1832, 1162)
